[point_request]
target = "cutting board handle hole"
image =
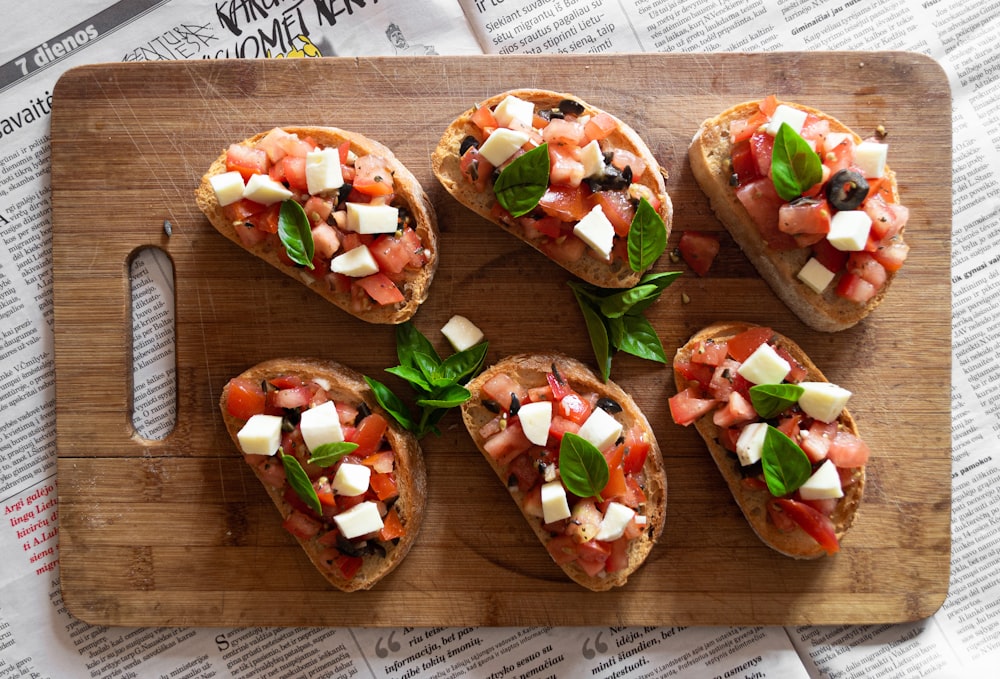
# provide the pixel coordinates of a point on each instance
(154, 343)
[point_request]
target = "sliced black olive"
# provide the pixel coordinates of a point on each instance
(609, 405)
(496, 175)
(491, 405)
(290, 418)
(349, 548)
(344, 192)
(512, 481)
(515, 404)
(468, 143)
(547, 114)
(555, 374)
(571, 107)
(363, 412)
(377, 549)
(610, 179)
(846, 190)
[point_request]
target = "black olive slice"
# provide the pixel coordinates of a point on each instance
(571, 107)
(467, 143)
(609, 405)
(515, 404)
(846, 190)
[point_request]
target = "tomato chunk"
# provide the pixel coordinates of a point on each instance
(686, 406)
(699, 250)
(245, 398)
(381, 289)
(818, 526)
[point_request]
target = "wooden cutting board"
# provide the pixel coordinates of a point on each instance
(178, 532)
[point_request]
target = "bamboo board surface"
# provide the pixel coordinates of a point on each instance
(178, 531)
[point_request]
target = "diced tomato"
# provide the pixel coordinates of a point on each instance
(736, 411)
(617, 208)
(384, 486)
(699, 249)
(574, 408)
(349, 565)
(390, 253)
(742, 345)
(686, 406)
(565, 249)
(788, 425)
(743, 164)
(524, 469)
(621, 158)
(381, 462)
(290, 170)
(246, 160)
(476, 170)
(728, 436)
(863, 264)
(484, 119)
(560, 389)
(816, 440)
(564, 167)
(245, 398)
(847, 450)
(855, 288)
(593, 552)
(781, 520)
(507, 444)
(826, 506)
(241, 210)
(291, 397)
(600, 126)
(694, 372)
(741, 130)
(892, 256)
(272, 471)
(499, 389)
(829, 256)
(372, 176)
(324, 491)
(562, 131)
(761, 148)
(325, 241)
(636, 451)
(560, 425)
(392, 526)
(839, 157)
(369, 434)
(317, 209)
(562, 549)
(807, 219)
(815, 129)
(618, 559)
(551, 227)
(615, 486)
(818, 526)
(709, 352)
(721, 385)
(888, 219)
(797, 371)
(568, 203)
(267, 219)
(768, 105)
(301, 526)
(381, 289)
(762, 203)
(345, 502)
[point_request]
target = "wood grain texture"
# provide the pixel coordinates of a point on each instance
(177, 532)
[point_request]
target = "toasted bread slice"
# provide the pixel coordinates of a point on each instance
(751, 498)
(710, 155)
(332, 554)
(413, 281)
(446, 162)
(531, 372)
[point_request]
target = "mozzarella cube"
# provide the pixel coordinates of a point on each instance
(321, 425)
(824, 484)
(261, 435)
(870, 158)
(786, 114)
(750, 443)
(764, 366)
(849, 230)
(323, 171)
(461, 333)
(365, 218)
(501, 145)
(228, 187)
(823, 401)
(351, 479)
(596, 231)
(356, 263)
(262, 189)
(601, 429)
(593, 159)
(535, 421)
(616, 519)
(555, 506)
(359, 520)
(815, 275)
(513, 108)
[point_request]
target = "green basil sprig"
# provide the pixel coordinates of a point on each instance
(582, 467)
(296, 234)
(647, 237)
(615, 322)
(795, 166)
(329, 454)
(300, 483)
(439, 385)
(771, 399)
(523, 183)
(786, 466)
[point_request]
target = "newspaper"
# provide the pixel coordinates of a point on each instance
(38, 638)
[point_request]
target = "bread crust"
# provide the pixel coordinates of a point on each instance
(753, 502)
(348, 386)
(529, 370)
(408, 190)
(709, 155)
(445, 163)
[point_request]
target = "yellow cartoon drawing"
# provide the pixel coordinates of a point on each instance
(308, 49)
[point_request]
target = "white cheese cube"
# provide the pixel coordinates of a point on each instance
(764, 366)
(849, 230)
(824, 484)
(321, 425)
(815, 275)
(513, 108)
(601, 429)
(359, 520)
(555, 507)
(262, 189)
(261, 435)
(501, 145)
(596, 231)
(823, 401)
(750, 443)
(870, 158)
(535, 421)
(323, 171)
(356, 263)
(616, 519)
(365, 218)
(786, 114)
(228, 187)
(592, 158)
(461, 333)
(351, 479)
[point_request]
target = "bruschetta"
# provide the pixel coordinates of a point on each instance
(814, 207)
(578, 458)
(577, 199)
(350, 484)
(778, 431)
(334, 210)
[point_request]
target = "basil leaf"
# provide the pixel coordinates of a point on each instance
(786, 466)
(411, 375)
(523, 183)
(410, 341)
(449, 397)
(647, 237)
(426, 364)
(621, 303)
(300, 483)
(770, 399)
(457, 367)
(429, 419)
(329, 454)
(598, 334)
(640, 339)
(391, 403)
(795, 167)
(582, 467)
(295, 233)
